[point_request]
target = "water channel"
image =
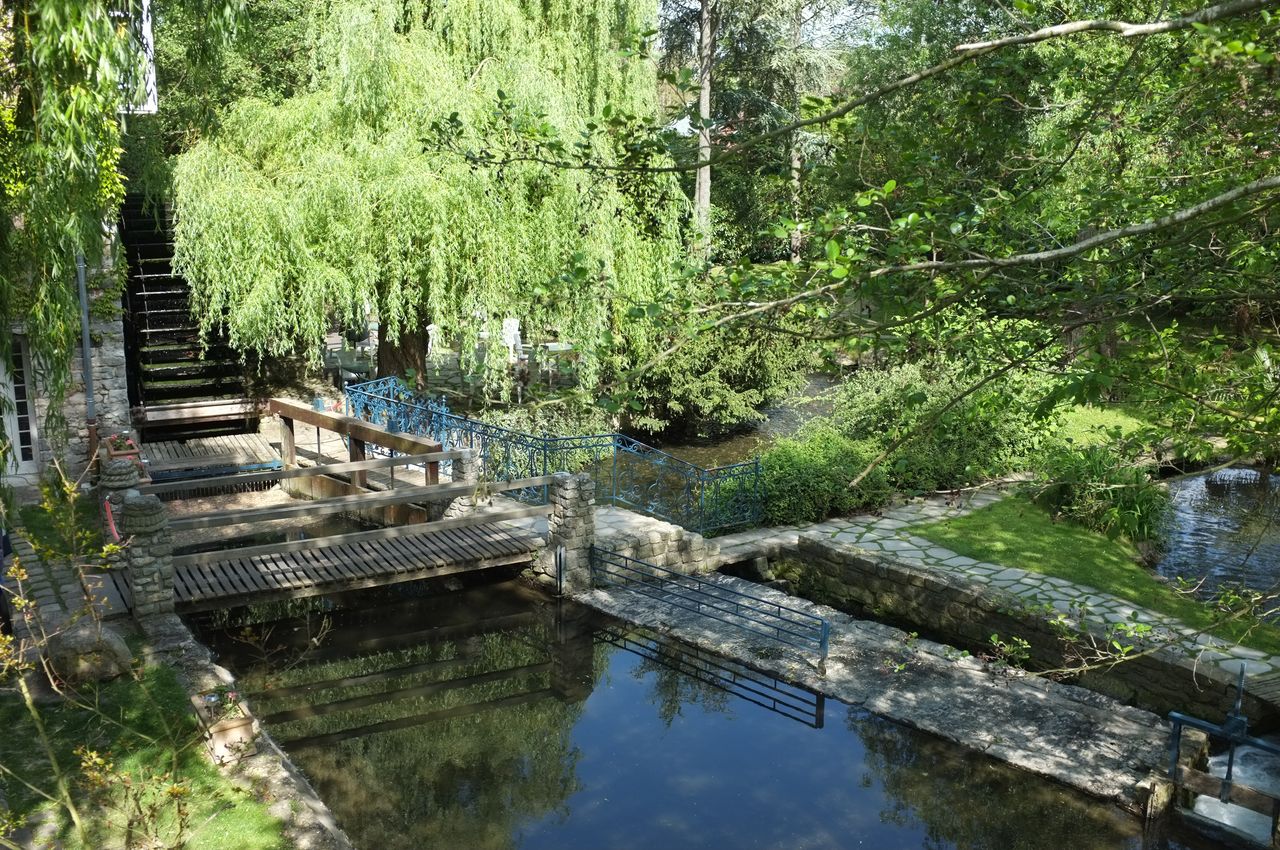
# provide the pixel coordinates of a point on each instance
(495, 718)
(1224, 527)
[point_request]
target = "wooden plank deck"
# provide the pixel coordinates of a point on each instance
(343, 567)
(209, 453)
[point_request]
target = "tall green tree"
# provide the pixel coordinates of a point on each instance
(68, 68)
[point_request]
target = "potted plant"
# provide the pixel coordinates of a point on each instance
(122, 445)
(230, 730)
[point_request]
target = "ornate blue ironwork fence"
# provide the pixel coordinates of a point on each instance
(627, 472)
(744, 611)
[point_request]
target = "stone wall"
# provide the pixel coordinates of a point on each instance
(654, 541)
(111, 398)
(967, 614)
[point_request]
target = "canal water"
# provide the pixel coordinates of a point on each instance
(495, 718)
(1224, 527)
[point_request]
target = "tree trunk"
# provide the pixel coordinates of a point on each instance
(702, 186)
(797, 161)
(407, 352)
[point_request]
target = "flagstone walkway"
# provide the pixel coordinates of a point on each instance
(889, 533)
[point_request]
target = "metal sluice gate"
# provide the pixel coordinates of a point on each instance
(746, 612)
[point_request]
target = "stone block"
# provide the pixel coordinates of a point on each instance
(88, 652)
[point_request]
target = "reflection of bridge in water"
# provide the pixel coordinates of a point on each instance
(329, 677)
(738, 680)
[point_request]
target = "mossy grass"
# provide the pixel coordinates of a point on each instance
(42, 529)
(1091, 425)
(145, 729)
(1016, 532)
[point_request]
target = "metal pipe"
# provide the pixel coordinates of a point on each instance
(86, 352)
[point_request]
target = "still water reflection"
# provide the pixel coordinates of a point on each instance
(492, 718)
(1224, 527)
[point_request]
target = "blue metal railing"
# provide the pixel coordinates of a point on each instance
(743, 611)
(627, 472)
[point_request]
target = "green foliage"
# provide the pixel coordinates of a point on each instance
(198, 77)
(806, 479)
(986, 434)
(67, 68)
(719, 380)
(1104, 488)
(132, 746)
(350, 196)
(1091, 425)
(65, 524)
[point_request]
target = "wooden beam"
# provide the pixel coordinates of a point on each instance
(339, 504)
(196, 411)
(349, 426)
(356, 453)
(1241, 795)
(288, 443)
(416, 530)
(300, 472)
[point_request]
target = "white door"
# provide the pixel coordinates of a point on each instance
(18, 408)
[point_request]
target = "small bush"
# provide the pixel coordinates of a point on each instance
(1102, 488)
(988, 433)
(807, 479)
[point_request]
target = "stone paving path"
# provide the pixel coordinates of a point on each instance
(889, 533)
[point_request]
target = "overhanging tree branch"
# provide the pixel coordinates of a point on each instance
(985, 263)
(964, 53)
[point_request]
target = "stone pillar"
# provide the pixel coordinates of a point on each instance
(572, 527)
(466, 470)
(118, 477)
(150, 555)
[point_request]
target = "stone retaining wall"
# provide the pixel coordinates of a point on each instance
(656, 542)
(968, 613)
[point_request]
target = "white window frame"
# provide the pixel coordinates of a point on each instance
(17, 465)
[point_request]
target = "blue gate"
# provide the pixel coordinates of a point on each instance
(627, 472)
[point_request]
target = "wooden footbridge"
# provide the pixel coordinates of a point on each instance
(417, 549)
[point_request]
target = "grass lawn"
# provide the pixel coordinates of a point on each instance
(1087, 425)
(1016, 532)
(41, 528)
(146, 729)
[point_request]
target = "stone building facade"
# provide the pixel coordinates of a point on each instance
(27, 410)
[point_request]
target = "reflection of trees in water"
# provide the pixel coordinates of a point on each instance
(468, 781)
(672, 690)
(970, 802)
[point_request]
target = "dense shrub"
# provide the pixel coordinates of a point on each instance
(807, 479)
(986, 434)
(1102, 487)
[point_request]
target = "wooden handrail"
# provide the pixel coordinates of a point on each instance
(400, 531)
(349, 426)
(301, 472)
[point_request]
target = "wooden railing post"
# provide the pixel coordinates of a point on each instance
(356, 452)
(288, 447)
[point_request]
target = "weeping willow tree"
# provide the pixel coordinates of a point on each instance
(347, 199)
